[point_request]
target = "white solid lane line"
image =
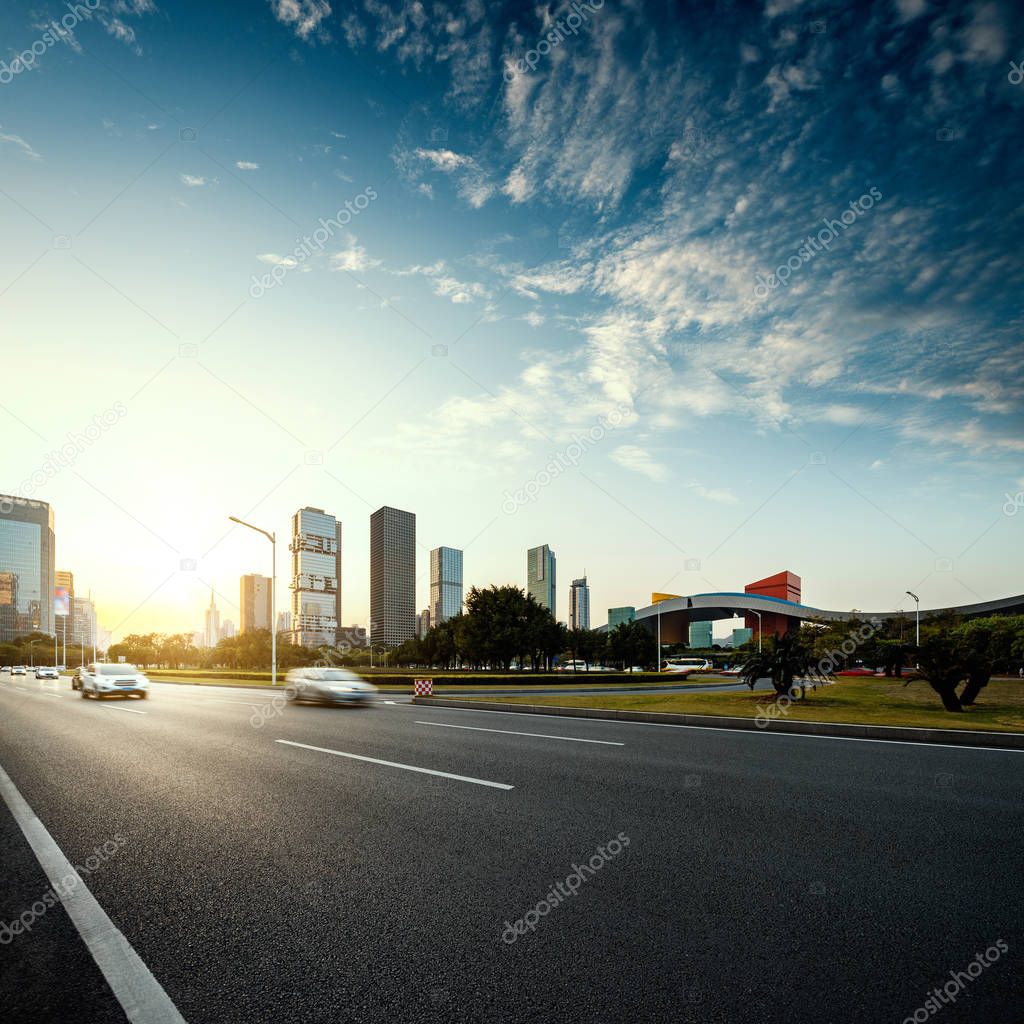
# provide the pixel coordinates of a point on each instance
(141, 996)
(395, 764)
(131, 711)
(509, 732)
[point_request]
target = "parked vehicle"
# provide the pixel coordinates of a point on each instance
(102, 680)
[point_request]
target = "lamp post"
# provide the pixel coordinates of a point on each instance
(659, 641)
(31, 653)
(917, 618)
(273, 594)
(758, 614)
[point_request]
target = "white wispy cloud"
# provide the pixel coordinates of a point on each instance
(352, 257)
(247, 165)
(20, 143)
(196, 180)
(638, 460)
(304, 17)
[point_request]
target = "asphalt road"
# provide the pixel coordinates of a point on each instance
(766, 877)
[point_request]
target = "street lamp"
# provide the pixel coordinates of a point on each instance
(917, 629)
(31, 653)
(273, 594)
(758, 614)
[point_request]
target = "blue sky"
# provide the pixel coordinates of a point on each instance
(545, 229)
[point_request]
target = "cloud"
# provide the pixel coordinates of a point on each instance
(637, 460)
(305, 17)
(471, 183)
(246, 165)
(277, 261)
(195, 180)
(23, 146)
(353, 257)
(444, 159)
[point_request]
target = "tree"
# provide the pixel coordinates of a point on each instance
(783, 659)
(631, 643)
(939, 664)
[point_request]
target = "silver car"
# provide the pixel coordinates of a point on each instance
(328, 686)
(46, 672)
(101, 680)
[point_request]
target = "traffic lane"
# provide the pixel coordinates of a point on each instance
(46, 972)
(681, 841)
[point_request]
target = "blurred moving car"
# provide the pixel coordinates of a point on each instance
(856, 672)
(328, 686)
(100, 680)
(6, 668)
(46, 672)
(19, 670)
(76, 679)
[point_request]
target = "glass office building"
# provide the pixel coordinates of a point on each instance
(700, 634)
(316, 577)
(540, 576)
(392, 577)
(621, 616)
(445, 584)
(27, 571)
(579, 604)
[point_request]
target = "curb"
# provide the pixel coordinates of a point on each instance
(905, 734)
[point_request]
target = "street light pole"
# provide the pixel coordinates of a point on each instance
(758, 614)
(272, 537)
(917, 618)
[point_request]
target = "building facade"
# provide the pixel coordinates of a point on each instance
(392, 576)
(621, 616)
(27, 570)
(741, 636)
(540, 577)
(316, 577)
(579, 604)
(211, 625)
(254, 602)
(445, 584)
(700, 634)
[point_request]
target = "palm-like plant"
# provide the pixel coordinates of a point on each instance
(784, 659)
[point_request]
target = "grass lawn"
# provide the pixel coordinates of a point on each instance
(861, 701)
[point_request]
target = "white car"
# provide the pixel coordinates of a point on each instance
(46, 672)
(19, 670)
(687, 665)
(101, 680)
(328, 686)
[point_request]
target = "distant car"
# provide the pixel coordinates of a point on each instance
(734, 671)
(19, 670)
(328, 686)
(6, 668)
(46, 672)
(685, 666)
(856, 672)
(101, 680)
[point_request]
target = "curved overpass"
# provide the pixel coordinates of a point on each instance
(677, 613)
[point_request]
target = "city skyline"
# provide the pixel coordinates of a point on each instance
(557, 312)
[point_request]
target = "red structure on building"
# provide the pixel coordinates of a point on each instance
(784, 585)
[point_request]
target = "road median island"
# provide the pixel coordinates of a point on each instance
(874, 709)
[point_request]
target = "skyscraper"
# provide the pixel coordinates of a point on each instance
(392, 576)
(254, 602)
(540, 576)
(211, 628)
(445, 584)
(227, 630)
(316, 577)
(27, 565)
(579, 604)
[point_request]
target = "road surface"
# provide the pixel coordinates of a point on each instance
(328, 864)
